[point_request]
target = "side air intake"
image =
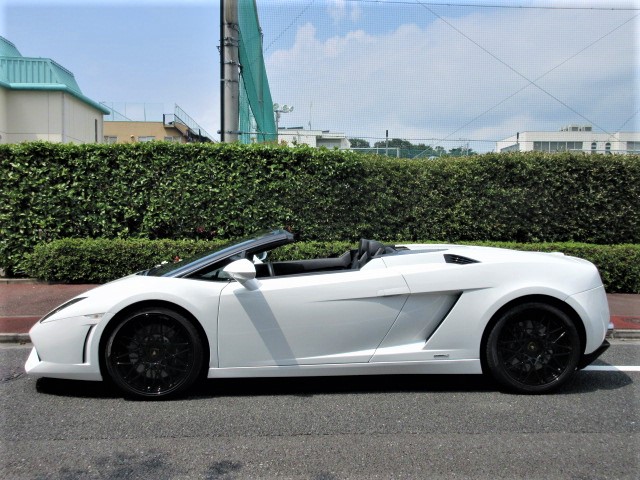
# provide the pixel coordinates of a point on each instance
(458, 259)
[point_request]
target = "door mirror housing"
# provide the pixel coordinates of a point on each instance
(243, 272)
(260, 257)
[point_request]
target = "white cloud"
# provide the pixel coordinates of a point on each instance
(339, 11)
(426, 80)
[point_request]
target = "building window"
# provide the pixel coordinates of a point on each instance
(633, 147)
(110, 139)
(556, 146)
(146, 139)
(594, 146)
(607, 148)
(172, 139)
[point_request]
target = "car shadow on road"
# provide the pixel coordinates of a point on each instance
(76, 388)
(310, 386)
(303, 386)
(582, 382)
(593, 381)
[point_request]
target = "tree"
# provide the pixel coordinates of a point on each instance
(461, 152)
(394, 143)
(359, 143)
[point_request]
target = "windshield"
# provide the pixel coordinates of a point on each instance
(230, 247)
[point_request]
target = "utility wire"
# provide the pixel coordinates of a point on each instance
(545, 74)
(426, 7)
(295, 20)
(484, 5)
(625, 122)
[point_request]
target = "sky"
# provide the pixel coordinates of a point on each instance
(450, 73)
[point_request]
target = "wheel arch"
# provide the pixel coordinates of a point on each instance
(113, 322)
(566, 308)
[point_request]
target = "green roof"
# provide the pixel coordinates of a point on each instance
(24, 73)
(8, 49)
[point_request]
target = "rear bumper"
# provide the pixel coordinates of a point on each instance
(588, 358)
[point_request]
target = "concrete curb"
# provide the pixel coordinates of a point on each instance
(28, 281)
(20, 338)
(624, 334)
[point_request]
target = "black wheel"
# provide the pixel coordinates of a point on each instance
(154, 352)
(533, 348)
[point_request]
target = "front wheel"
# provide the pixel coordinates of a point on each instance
(154, 352)
(533, 348)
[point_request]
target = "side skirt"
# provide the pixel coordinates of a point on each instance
(444, 367)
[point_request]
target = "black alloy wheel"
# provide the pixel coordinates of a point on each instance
(533, 348)
(154, 352)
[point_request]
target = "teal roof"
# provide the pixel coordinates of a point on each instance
(24, 73)
(8, 49)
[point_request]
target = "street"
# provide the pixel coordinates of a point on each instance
(325, 428)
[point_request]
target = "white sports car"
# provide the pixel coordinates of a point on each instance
(530, 320)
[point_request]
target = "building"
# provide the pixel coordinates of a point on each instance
(174, 127)
(579, 138)
(313, 138)
(41, 100)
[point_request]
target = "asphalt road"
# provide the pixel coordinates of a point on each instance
(369, 427)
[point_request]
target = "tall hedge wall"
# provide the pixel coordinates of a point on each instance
(213, 191)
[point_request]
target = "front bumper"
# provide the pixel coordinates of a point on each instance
(65, 348)
(71, 371)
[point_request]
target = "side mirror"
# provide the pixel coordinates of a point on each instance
(260, 258)
(244, 272)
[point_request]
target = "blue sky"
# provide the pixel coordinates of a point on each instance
(423, 71)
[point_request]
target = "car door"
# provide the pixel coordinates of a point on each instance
(311, 319)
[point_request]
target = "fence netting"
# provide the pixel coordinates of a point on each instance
(257, 122)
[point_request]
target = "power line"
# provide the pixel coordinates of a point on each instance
(545, 74)
(294, 21)
(625, 122)
(453, 140)
(485, 5)
(508, 66)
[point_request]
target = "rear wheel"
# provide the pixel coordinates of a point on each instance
(533, 348)
(153, 352)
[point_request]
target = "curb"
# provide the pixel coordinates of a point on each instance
(20, 338)
(28, 281)
(624, 334)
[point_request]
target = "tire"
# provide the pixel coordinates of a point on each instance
(153, 353)
(533, 348)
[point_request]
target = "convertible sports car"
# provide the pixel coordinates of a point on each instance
(529, 320)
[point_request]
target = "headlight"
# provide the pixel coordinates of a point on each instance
(61, 307)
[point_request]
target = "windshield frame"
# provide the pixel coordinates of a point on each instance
(266, 240)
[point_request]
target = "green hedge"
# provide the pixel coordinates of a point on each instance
(99, 261)
(161, 190)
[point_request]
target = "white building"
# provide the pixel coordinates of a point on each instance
(313, 138)
(572, 138)
(41, 100)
